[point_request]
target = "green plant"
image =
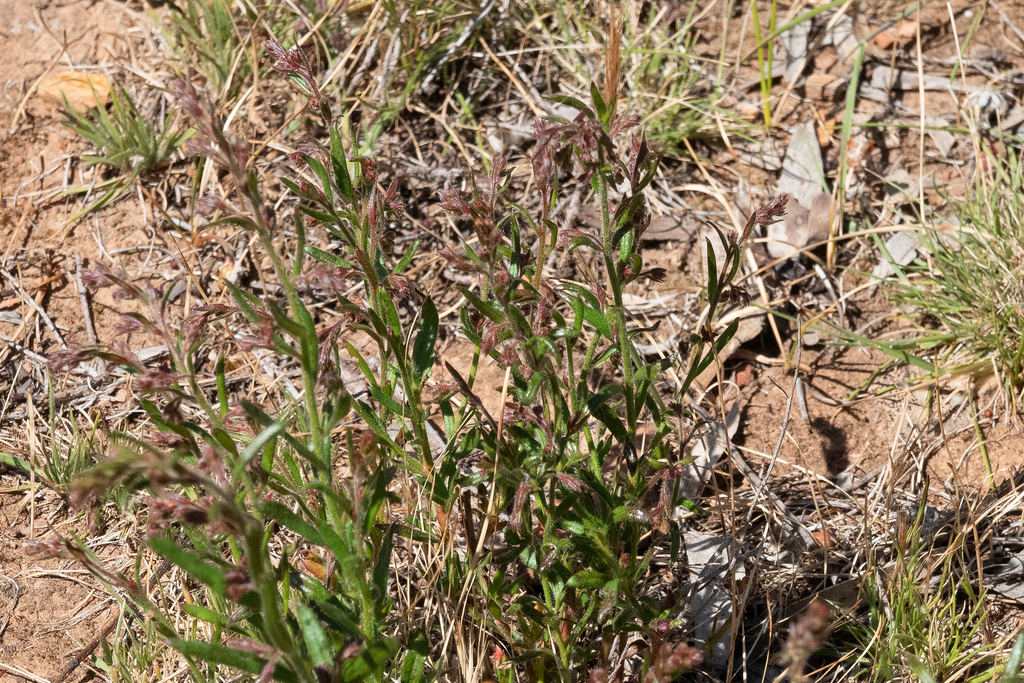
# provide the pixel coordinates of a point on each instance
(1011, 672)
(126, 142)
(71, 451)
(71, 455)
(925, 616)
(290, 522)
(969, 281)
(765, 56)
(205, 32)
(663, 77)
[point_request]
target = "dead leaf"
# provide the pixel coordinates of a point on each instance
(885, 39)
(802, 167)
(83, 91)
(745, 375)
(795, 42)
(800, 228)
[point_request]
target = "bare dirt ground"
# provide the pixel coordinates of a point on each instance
(848, 433)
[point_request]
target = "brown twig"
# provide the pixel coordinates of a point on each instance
(80, 656)
(89, 329)
(39, 309)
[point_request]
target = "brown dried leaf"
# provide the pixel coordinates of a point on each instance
(82, 90)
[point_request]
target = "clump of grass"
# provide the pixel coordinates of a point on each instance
(926, 619)
(126, 142)
(970, 282)
(663, 77)
(206, 33)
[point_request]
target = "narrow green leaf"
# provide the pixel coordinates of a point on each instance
(340, 165)
(572, 102)
(205, 614)
(327, 257)
(313, 633)
(191, 563)
(291, 521)
(321, 173)
(268, 435)
(599, 104)
(423, 347)
(712, 270)
(383, 565)
(414, 662)
(1011, 674)
(371, 661)
(218, 654)
(588, 578)
(407, 258)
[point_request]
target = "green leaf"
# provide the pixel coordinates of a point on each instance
(417, 650)
(340, 165)
(300, 251)
(390, 314)
(720, 343)
(381, 569)
(599, 105)
(316, 638)
(487, 308)
(374, 422)
(423, 347)
(1011, 674)
(588, 578)
(191, 563)
(321, 173)
(246, 302)
(375, 493)
(264, 438)
(327, 257)
(920, 670)
(291, 521)
(603, 413)
(205, 614)
(371, 661)
(598, 320)
(407, 258)
(218, 654)
(16, 463)
(387, 402)
(256, 414)
(712, 270)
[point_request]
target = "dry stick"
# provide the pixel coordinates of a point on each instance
(39, 309)
(1009, 23)
(18, 671)
(32, 469)
(89, 329)
(766, 471)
